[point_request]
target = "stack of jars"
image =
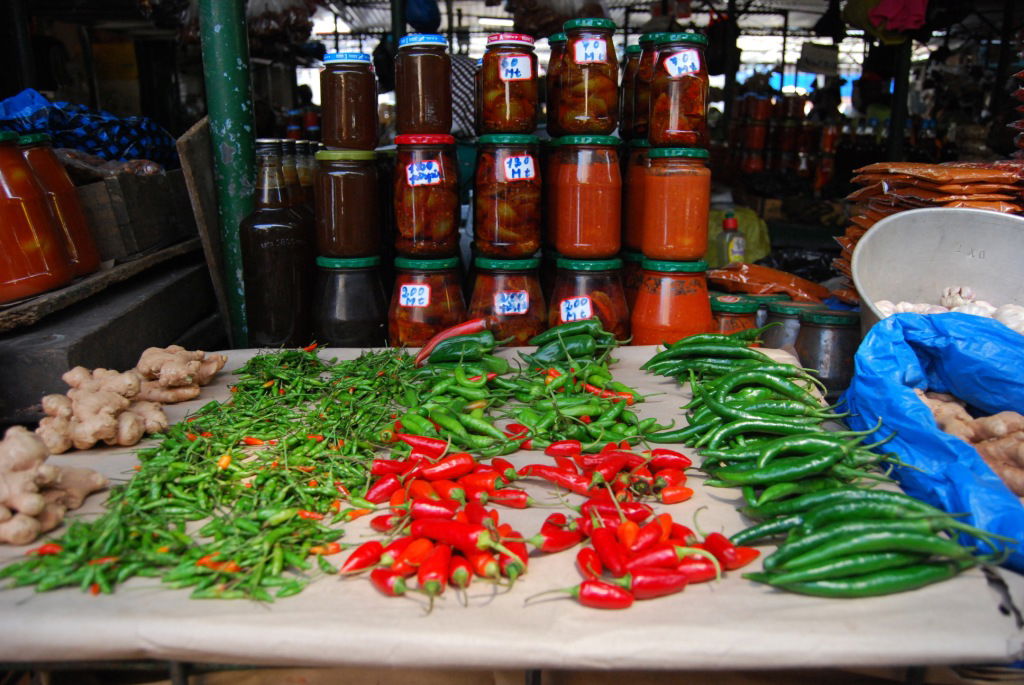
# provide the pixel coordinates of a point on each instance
(44, 239)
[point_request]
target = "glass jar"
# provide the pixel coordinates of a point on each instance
(548, 269)
(632, 275)
(634, 196)
(347, 205)
(588, 203)
(827, 342)
(423, 84)
(426, 196)
(549, 194)
(507, 200)
(626, 90)
(552, 84)
(585, 289)
(427, 299)
(349, 307)
(588, 99)
(642, 83)
(787, 314)
(673, 302)
(679, 92)
(762, 304)
(733, 313)
(348, 96)
(508, 86)
(33, 256)
(677, 197)
(62, 199)
(508, 292)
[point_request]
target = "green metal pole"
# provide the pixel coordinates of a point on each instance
(229, 106)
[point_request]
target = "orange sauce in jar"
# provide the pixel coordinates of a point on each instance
(677, 197)
(672, 303)
(588, 204)
(634, 197)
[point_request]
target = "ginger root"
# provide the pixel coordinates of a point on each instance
(174, 374)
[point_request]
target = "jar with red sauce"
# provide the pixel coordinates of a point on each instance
(673, 302)
(642, 83)
(508, 85)
(348, 92)
(62, 198)
(33, 255)
(587, 184)
(585, 289)
(733, 313)
(588, 99)
(550, 197)
(426, 196)
(508, 292)
(632, 275)
(427, 298)
(552, 83)
(507, 202)
(627, 89)
(423, 84)
(677, 197)
(679, 92)
(637, 164)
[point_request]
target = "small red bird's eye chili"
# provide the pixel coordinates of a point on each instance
(381, 490)
(432, 447)
(482, 481)
(395, 548)
(102, 561)
(432, 509)
(451, 467)
(388, 582)
(668, 459)
(513, 565)
(465, 537)
(597, 594)
(432, 575)
(412, 556)
(611, 552)
(465, 328)
(513, 498)
(460, 571)
(674, 494)
(573, 482)
(648, 583)
(353, 514)
(192, 437)
(564, 448)
(551, 540)
(309, 515)
(505, 468)
(589, 563)
(45, 550)
(449, 490)
(310, 348)
(252, 441)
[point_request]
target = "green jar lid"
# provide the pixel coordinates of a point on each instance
(830, 317)
(507, 264)
(589, 264)
(557, 37)
(683, 267)
(589, 140)
(508, 139)
(768, 298)
(428, 264)
(633, 49)
(349, 155)
(632, 256)
(652, 37)
(733, 304)
(688, 152)
(34, 139)
(639, 142)
(347, 263)
(698, 38)
(792, 308)
(588, 24)
(8, 136)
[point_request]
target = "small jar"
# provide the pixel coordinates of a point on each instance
(585, 289)
(507, 199)
(642, 83)
(762, 304)
(588, 203)
(634, 197)
(679, 92)
(508, 85)
(426, 196)
(787, 314)
(827, 343)
(588, 101)
(349, 306)
(348, 92)
(677, 198)
(423, 84)
(632, 276)
(673, 302)
(427, 299)
(552, 84)
(508, 292)
(733, 314)
(347, 204)
(627, 89)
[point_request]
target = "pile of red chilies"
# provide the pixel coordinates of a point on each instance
(446, 535)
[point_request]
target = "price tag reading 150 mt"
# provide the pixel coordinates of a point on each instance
(414, 295)
(520, 168)
(511, 302)
(515, 68)
(682, 63)
(590, 50)
(575, 309)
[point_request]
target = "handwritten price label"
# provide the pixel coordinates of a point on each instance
(426, 173)
(414, 295)
(682, 63)
(508, 302)
(590, 50)
(520, 168)
(515, 68)
(575, 309)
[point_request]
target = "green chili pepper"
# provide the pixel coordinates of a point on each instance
(589, 327)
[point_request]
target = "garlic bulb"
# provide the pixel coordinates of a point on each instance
(956, 296)
(1012, 315)
(885, 308)
(979, 308)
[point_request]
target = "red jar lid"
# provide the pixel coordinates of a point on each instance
(425, 139)
(518, 38)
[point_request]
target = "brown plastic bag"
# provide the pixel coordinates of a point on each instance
(957, 172)
(762, 280)
(1004, 207)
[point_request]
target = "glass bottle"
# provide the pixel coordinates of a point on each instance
(677, 197)
(642, 83)
(293, 188)
(633, 199)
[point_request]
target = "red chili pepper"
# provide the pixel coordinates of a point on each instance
(728, 555)
(381, 490)
(475, 494)
(385, 523)
(45, 550)
(94, 589)
(432, 575)
(464, 328)
(669, 477)
(191, 437)
(634, 511)
(566, 464)
(449, 490)
(564, 448)
(597, 594)
(573, 482)
(610, 394)
(586, 420)
(674, 494)
(648, 583)
(398, 498)
(432, 509)
(432, 447)
(633, 460)
(310, 348)
(662, 555)
(382, 467)
(626, 533)
(206, 434)
(484, 564)
(668, 459)
(252, 441)
(556, 521)
(611, 552)
(388, 582)
(648, 536)
(421, 489)
(698, 569)
(551, 540)
(665, 524)
(460, 571)
(309, 515)
(412, 556)
(607, 470)
(451, 467)
(516, 430)
(485, 481)
(683, 533)
(393, 550)
(514, 565)
(513, 498)
(588, 563)
(505, 468)
(466, 537)
(326, 550)
(478, 514)
(101, 561)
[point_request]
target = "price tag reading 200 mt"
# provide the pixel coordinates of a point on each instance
(590, 50)
(414, 295)
(519, 168)
(510, 302)
(575, 309)
(515, 68)
(682, 63)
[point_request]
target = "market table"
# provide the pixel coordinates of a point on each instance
(732, 624)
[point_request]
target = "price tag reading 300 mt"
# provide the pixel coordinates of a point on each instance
(682, 63)
(520, 168)
(575, 309)
(508, 302)
(414, 295)
(515, 68)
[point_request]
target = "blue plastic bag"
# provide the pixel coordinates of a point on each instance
(978, 360)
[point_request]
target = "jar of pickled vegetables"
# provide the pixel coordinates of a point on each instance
(673, 302)
(427, 299)
(585, 289)
(637, 164)
(679, 92)
(627, 89)
(552, 87)
(347, 204)
(677, 198)
(508, 292)
(348, 92)
(508, 85)
(426, 196)
(33, 255)
(632, 275)
(733, 313)
(588, 99)
(642, 83)
(423, 84)
(507, 201)
(587, 184)
(349, 307)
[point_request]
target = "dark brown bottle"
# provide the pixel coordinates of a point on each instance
(277, 259)
(293, 185)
